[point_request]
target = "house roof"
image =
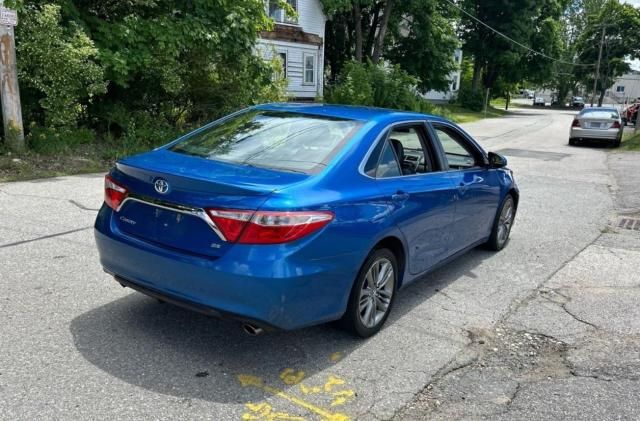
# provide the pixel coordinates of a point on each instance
(347, 111)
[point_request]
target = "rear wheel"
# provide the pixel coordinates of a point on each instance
(616, 143)
(502, 225)
(372, 295)
(572, 142)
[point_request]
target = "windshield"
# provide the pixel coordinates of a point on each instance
(270, 139)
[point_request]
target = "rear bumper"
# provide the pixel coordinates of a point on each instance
(579, 133)
(270, 286)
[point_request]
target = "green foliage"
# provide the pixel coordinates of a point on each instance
(532, 23)
(52, 140)
(138, 72)
(374, 85)
(57, 66)
(424, 45)
(621, 23)
(380, 86)
(467, 97)
(473, 100)
(420, 37)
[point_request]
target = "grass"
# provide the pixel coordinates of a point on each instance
(32, 165)
(631, 142)
(464, 115)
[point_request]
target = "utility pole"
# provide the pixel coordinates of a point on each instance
(597, 76)
(11, 109)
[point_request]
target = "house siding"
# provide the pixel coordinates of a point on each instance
(311, 21)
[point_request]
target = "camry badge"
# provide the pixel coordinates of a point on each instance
(161, 186)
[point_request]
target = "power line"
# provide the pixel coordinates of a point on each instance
(531, 50)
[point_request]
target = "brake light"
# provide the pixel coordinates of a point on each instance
(615, 125)
(576, 123)
(264, 227)
(114, 193)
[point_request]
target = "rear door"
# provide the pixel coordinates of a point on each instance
(420, 195)
(477, 186)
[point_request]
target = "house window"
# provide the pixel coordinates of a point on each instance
(309, 69)
(279, 15)
(620, 88)
(283, 60)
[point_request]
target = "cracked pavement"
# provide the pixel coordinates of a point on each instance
(571, 350)
(77, 346)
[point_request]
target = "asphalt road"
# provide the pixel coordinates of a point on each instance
(75, 345)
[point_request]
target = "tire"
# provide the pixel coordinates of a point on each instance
(572, 142)
(359, 318)
(499, 238)
(616, 143)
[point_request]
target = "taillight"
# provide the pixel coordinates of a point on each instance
(615, 125)
(576, 123)
(266, 227)
(114, 193)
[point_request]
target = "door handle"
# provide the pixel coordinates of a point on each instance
(476, 180)
(400, 196)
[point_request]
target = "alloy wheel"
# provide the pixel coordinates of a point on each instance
(506, 221)
(376, 293)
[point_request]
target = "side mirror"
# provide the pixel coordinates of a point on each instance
(497, 160)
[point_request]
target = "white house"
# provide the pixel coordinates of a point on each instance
(625, 89)
(454, 85)
(299, 42)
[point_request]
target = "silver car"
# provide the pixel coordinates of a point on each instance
(602, 124)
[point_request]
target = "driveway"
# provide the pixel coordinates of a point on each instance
(75, 345)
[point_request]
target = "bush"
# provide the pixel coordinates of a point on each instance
(471, 100)
(375, 85)
(57, 66)
(51, 140)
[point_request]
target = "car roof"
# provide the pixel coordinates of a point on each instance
(347, 111)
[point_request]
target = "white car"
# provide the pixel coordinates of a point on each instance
(602, 124)
(538, 101)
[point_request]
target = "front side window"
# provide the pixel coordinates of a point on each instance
(309, 69)
(278, 14)
(274, 140)
(458, 153)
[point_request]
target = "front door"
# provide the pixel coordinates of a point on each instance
(420, 195)
(477, 186)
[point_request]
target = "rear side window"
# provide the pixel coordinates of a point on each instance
(388, 165)
(274, 140)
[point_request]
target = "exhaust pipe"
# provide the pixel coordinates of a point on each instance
(252, 330)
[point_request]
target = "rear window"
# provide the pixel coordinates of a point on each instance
(274, 140)
(605, 114)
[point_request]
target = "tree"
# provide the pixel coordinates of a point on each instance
(138, 66)
(58, 67)
(415, 34)
(531, 23)
(620, 24)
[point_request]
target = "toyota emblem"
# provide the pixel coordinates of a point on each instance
(161, 186)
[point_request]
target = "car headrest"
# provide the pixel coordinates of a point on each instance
(397, 145)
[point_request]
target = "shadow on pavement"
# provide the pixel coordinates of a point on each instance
(169, 350)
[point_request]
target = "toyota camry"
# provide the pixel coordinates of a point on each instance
(282, 216)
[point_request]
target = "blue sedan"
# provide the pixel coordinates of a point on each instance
(283, 216)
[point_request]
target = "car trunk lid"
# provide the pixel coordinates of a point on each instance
(168, 193)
